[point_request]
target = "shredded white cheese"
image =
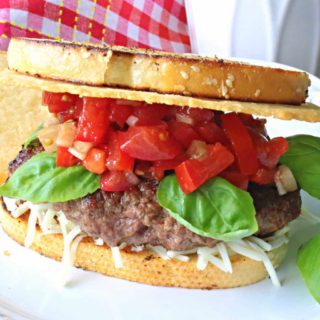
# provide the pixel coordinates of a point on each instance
(98, 242)
(225, 257)
(117, 257)
(137, 248)
(51, 221)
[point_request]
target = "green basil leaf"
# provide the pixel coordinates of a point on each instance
(217, 209)
(32, 136)
(39, 180)
(309, 266)
(303, 159)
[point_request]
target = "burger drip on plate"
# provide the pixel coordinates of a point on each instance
(133, 146)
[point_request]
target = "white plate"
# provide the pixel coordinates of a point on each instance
(29, 289)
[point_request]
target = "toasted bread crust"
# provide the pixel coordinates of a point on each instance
(145, 266)
(306, 112)
(162, 72)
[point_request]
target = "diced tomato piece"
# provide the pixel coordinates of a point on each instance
(57, 101)
(73, 113)
(118, 159)
(150, 143)
(276, 147)
(263, 176)
(65, 158)
(241, 143)
(95, 161)
(212, 133)
(183, 132)
(193, 173)
(269, 151)
(94, 120)
(196, 114)
(236, 178)
(120, 113)
(118, 181)
(152, 114)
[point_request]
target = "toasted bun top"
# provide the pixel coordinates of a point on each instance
(162, 72)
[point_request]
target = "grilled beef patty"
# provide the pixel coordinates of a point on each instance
(135, 217)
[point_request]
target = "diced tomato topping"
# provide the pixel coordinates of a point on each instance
(73, 113)
(120, 113)
(193, 173)
(196, 143)
(118, 159)
(58, 102)
(263, 176)
(150, 143)
(212, 133)
(183, 132)
(94, 120)
(236, 178)
(241, 143)
(117, 181)
(65, 158)
(95, 161)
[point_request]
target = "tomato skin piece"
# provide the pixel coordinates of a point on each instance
(65, 158)
(113, 181)
(149, 143)
(57, 101)
(193, 173)
(263, 176)
(93, 123)
(183, 132)
(118, 159)
(241, 142)
(95, 161)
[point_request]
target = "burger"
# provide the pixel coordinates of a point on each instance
(155, 167)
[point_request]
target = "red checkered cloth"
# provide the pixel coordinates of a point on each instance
(158, 24)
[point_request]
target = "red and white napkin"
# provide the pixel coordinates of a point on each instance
(158, 24)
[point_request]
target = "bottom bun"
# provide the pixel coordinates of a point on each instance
(144, 266)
